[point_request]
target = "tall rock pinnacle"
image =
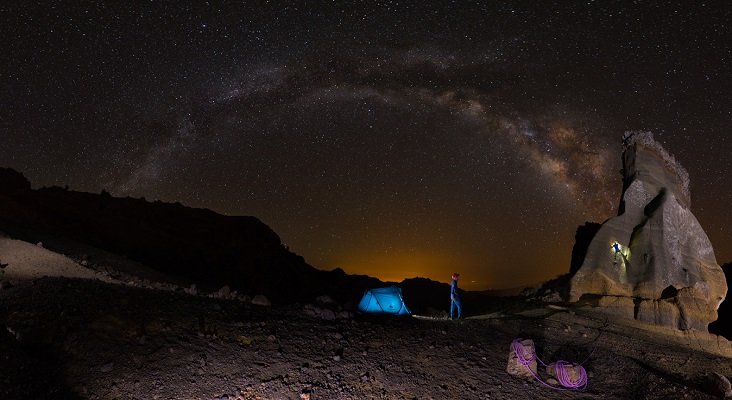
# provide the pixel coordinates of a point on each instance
(653, 262)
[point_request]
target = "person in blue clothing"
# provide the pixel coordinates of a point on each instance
(455, 297)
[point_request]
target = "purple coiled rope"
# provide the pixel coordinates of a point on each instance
(518, 349)
(560, 369)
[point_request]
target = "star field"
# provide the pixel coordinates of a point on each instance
(389, 139)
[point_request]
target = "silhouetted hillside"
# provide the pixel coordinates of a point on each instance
(198, 244)
(424, 295)
(421, 294)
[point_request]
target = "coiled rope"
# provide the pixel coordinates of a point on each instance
(560, 368)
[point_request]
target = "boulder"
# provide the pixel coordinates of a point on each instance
(310, 310)
(654, 252)
(574, 374)
(192, 290)
(325, 301)
(261, 300)
(224, 292)
(551, 296)
(719, 385)
(515, 367)
(327, 314)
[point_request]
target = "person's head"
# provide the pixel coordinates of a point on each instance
(455, 276)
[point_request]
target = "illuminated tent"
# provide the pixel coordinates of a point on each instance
(387, 300)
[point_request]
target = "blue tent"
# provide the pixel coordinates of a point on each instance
(387, 300)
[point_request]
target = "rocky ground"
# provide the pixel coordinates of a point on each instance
(113, 329)
(75, 338)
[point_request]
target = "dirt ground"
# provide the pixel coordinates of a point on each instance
(86, 339)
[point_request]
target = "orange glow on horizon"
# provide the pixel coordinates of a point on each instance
(497, 271)
(396, 267)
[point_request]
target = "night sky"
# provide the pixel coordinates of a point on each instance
(387, 139)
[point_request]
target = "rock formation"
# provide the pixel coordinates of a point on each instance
(723, 325)
(653, 262)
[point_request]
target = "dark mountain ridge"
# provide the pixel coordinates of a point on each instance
(198, 244)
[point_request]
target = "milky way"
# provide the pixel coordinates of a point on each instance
(394, 140)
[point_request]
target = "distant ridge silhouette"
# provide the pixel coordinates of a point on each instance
(197, 244)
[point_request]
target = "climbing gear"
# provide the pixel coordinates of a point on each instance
(560, 368)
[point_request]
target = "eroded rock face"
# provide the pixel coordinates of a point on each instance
(654, 252)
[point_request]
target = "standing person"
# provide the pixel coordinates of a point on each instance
(455, 297)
